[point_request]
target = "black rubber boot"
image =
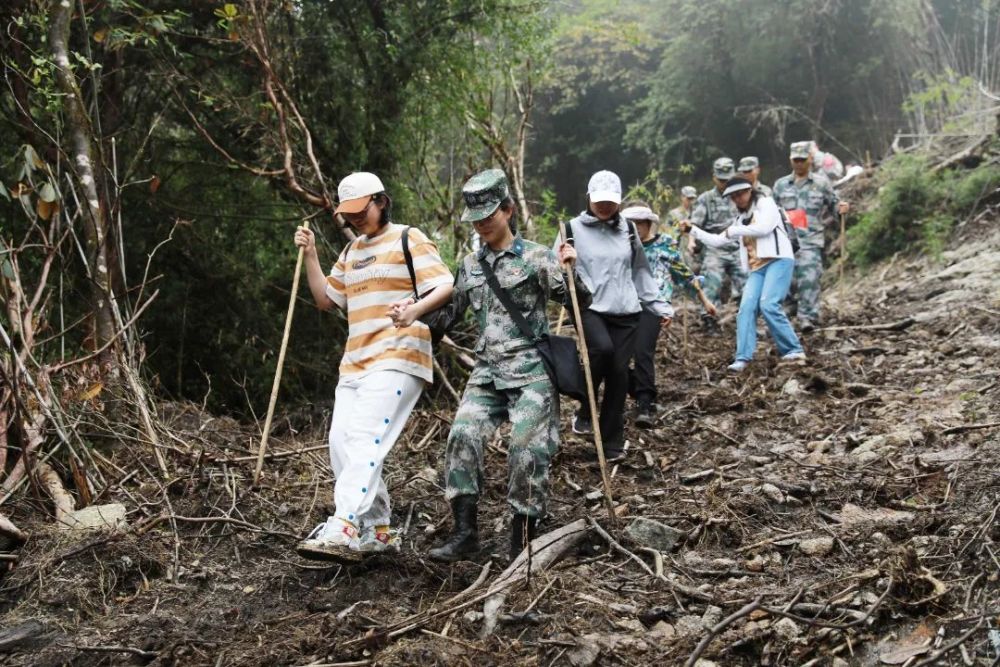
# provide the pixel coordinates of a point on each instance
(645, 417)
(522, 530)
(463, 542)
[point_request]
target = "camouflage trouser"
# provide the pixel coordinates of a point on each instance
(533, 411)
(717, 264)
(808, 271)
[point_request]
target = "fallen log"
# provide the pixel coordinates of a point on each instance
(541, 554)
(900, 325)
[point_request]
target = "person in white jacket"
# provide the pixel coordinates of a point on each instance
(766, 254)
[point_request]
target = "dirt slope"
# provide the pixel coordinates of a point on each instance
(844, 494)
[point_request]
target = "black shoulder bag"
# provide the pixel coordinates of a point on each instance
(559, 353)
(436, 320)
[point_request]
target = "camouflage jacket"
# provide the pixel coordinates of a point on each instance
(532, 276)
(668, 267)
(713, 212)
(764, 189)
(814, 194)
(674, 217)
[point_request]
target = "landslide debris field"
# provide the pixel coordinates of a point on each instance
(840, 513)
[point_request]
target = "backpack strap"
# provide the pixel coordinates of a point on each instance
(501, 293)
(633, 236)
(409, 261)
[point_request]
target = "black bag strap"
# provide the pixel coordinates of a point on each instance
(501, 293)
(409, 261)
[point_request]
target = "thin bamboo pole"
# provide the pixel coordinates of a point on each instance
(281, 362)
(843, 259)
(581, 342)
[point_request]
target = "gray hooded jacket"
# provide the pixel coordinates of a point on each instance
(618, 276)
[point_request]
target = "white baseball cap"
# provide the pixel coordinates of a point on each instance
(605, 186)
(640, 213)
(356, 190)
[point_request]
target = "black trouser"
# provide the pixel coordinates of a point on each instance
(642, 378)
(610, 342)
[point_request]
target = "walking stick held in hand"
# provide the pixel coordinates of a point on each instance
(281, 362)
(581, 342)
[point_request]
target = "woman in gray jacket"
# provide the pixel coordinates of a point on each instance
(611, 261)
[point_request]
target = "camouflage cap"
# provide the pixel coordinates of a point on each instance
(689, 192)
(800, 150)
(723, 168)
(483, 194)
(748, 164)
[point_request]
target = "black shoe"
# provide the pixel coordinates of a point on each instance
(807, 326)
(710, 325)
(645, 418)
(463, 543)
(582, 424)
(522, 531)
(612, 454)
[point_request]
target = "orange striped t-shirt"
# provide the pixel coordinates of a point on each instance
(371, 274)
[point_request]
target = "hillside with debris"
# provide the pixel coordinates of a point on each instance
(841, 513)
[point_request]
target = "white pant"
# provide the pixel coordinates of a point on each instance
(368, 415)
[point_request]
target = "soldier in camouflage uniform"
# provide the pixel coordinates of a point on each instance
(806, 195)
(682, 212)
(749, 169)
(509, 380)
(714, 213)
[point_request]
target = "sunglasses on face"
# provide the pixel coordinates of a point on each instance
(360, 215)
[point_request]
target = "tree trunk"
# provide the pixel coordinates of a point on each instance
(82, 151)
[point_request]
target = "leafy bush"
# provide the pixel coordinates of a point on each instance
(917, 208)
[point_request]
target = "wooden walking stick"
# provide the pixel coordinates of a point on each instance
(581, 343)
(843, 259)
(281, 363)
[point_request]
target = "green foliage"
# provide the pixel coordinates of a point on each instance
(917, 208)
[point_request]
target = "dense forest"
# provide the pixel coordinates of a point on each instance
(213, 129)
(156, 158)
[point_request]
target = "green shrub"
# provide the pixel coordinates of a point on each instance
(916, 209)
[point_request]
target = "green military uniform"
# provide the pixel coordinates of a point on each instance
(815, 195)
(679, 214)
(509, 380)
(751, 165)
(714, 213)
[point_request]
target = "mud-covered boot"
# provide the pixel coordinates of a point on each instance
(522, 530)
(463, 542)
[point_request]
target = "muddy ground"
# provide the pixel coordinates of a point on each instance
(851, 503)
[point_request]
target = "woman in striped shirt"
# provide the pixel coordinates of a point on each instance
(387, 359)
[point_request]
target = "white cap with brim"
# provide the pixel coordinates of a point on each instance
(640, 213)
(356, 190)
(605, 186)
(736, 185)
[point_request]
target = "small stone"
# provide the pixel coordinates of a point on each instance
(662, 631)
(786, 629)
(756, 564)
(711, 617)
(705, 663)
(819, 546)
(839, 662)
(771, 492)
(792, 388)
(653, 534)
(473, 616)
(586, 651)
(689, 625)
(103, 517)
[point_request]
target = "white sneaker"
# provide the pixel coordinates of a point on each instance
(334, 539)
(737, 366)
(797, 358)
(378, 539)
